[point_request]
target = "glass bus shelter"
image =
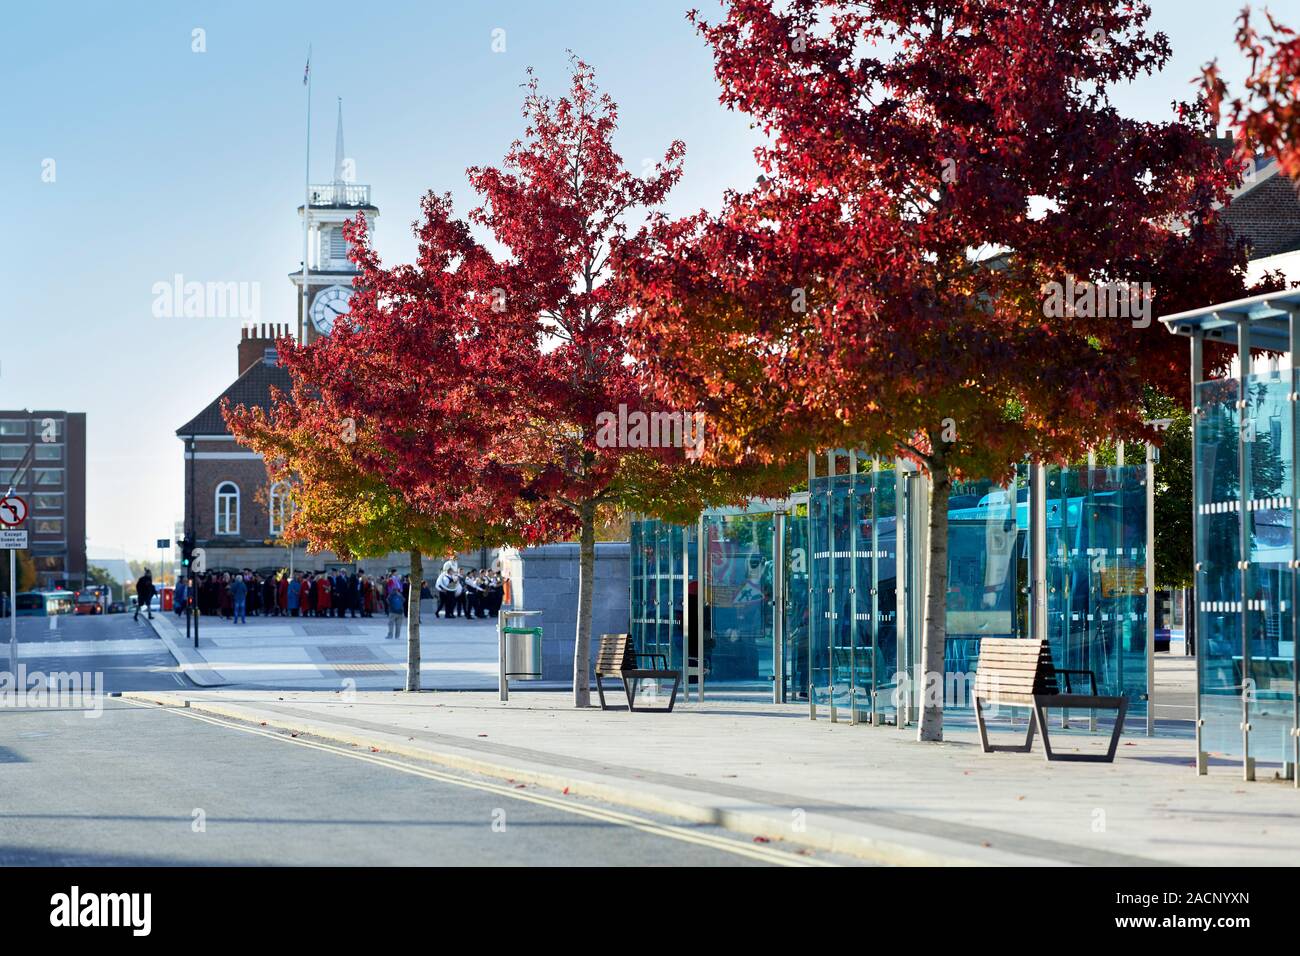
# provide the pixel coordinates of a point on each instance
(819, 597)
(1244, 521)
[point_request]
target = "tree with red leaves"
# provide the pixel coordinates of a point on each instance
(1268, 116)
(370, 440)
(936, 174)
(489, 382)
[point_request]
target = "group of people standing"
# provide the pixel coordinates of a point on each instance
(469, 594)
(234, 596)
(302, 594)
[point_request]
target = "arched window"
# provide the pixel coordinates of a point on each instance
(227, 508)
(280, 506)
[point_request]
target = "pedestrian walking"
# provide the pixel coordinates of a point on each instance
(144, 592)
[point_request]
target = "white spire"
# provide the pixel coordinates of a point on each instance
(338, 147)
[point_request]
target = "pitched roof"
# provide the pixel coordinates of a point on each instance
(253, 388)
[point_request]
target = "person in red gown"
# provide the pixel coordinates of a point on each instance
(323, 596)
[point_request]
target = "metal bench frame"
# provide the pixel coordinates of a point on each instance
(1044, 694)
(613, 661)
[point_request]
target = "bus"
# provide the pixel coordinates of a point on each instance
(44, 603)
(94, 599)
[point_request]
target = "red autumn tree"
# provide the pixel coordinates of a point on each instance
(368, 440)
(1268, 115)
(937, 174)
(490, 381)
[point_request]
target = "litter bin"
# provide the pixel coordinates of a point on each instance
(519, 648)
(523, 652)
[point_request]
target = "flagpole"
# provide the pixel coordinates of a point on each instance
(306, 206)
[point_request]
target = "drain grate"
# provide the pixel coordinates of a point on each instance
(327, 630)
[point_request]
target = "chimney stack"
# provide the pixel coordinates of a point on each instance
(254, 342)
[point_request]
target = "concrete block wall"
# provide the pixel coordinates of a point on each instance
(546, 579)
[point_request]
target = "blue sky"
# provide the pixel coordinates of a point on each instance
(170, 161)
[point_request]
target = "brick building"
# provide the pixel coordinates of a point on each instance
(1265, 211)
(54, 487)
(229, 508)
(233, 512)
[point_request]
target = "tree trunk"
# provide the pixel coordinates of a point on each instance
(413, 623)
(586, 580)
(934, 637)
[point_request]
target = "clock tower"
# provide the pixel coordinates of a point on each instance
(329, 273)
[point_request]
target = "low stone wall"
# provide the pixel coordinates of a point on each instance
(546, 579)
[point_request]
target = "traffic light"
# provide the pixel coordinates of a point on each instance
(187, 555)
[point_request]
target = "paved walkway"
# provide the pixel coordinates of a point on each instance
(765, 769)
(323, 653)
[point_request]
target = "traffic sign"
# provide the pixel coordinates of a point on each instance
(164, 543)
(13, 539)
(13, 511)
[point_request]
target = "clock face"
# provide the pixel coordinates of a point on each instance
(328, 305)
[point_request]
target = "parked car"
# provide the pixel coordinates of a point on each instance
(117, 607)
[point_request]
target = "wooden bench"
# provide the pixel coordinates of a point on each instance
(617, 658)
(1020, 673)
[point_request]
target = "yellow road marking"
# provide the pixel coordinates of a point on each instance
(618, 817)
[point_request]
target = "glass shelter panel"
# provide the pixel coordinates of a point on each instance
(982, 569)
(1218, 551)
(739, 617)
(797, 555)
(820, 584)
(657, 585)
(1267, 433)
(884, 583)
(1096, 580)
